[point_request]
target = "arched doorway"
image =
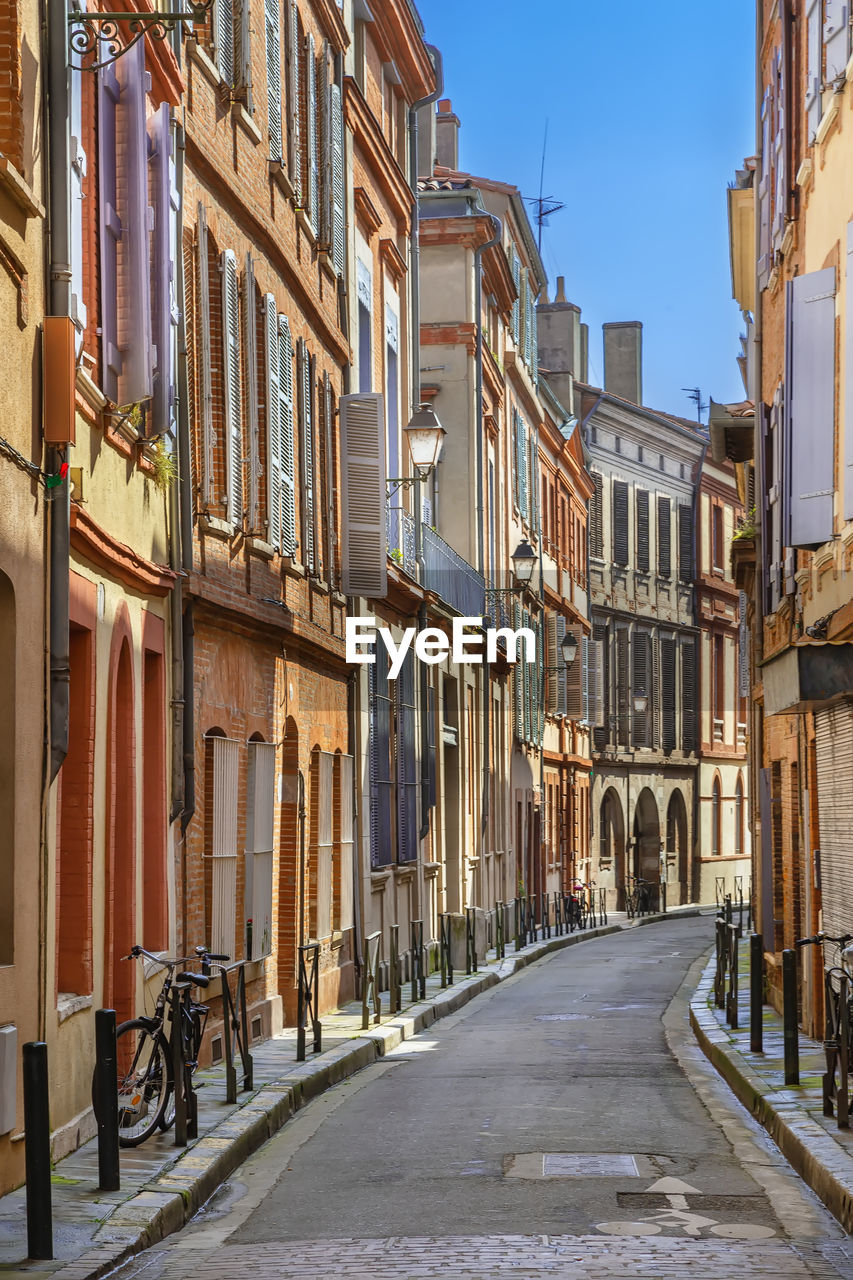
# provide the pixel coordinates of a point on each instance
(120, 869)
(646, 833)
(291, 923)
(676, 840)
(611, 849)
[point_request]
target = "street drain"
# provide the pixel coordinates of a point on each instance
(564, 1164)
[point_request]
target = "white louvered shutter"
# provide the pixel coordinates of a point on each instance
(848, 375)
(273, 34)
(337, 136)
(810, 443)
(764, 190)
(552, 654)
(515, 323)
(306, 445)
(561, 672)
(324, 217)
(78, 173)
(233, 391)
(311, 168)
(364, 536)
(523, 486)
(587, 693)
(814, 78)
(224, 35)
(294, 63)
(243, 55)
(260, 824)
(273, 403)
(288, 452)
(780, 197)
(836, 40)
(250, 343)
(575, 679)
(223, 852)
(208, 438)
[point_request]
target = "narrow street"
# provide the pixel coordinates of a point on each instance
(564, 1124)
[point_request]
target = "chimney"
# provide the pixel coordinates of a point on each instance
(447, 135)
(560, 343)
(623, 360)
(426, 141)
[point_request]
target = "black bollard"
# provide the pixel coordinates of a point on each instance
(756, 993)
(789, 1016)
(106, 1092)
(37, 1130)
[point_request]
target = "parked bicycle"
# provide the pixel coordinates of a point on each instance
(838, 1014)
(146, 1095)
(639, 897)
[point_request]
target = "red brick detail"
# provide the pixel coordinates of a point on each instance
(120, 845)
(155, 819)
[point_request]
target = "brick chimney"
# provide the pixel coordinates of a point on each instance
(623, 359)
(447, 135)
(561, 345)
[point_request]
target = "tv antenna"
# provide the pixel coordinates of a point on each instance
(694, 394)
(545, 205)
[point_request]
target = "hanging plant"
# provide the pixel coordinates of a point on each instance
(164, 466)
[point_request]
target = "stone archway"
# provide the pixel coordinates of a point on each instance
(611, 853)
(676, 841)
(646, 837)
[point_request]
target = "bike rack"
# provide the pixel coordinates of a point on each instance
(532, 935)
(602, 906)
(236, 1032)
(186, 1102)
(733, 939)
(500, 949)
(418, 961)
(444, 950)
(307, 999)
(395, 987)
(369, 982)
(518, 904)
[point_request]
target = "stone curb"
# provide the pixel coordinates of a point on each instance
(170, 1199)
(809, 1149)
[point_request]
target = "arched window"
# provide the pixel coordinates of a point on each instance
(716, 819)
(739, 817)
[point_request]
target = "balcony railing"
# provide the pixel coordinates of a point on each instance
(451, 577)
(401, 540)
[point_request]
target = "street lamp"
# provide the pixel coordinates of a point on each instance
(425, 435)
(523, 560)
(569, 648)
(641, 702)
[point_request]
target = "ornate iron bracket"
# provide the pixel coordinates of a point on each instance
(109, 35)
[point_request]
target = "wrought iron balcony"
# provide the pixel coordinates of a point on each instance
(451, 577)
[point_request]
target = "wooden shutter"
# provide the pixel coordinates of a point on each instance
(620, 522)
(164, 300)
(294, 63)
(243, 56)
(273, 35)
(337, 148)
(225, 777)
(664, 537)
(534, 484)
(232, 388)
(274, 423)
(364, 536)
(515, 321)
(345, 901)
(642, 498)
(601, 638)
(223, 14)
(134, 280)
(667, 686)
(260, 821)
(328, 504)
(324, 780)
(595, 681)
(110, 228)
(780, 151)
(526, 678)
(584, 658)
(518, 681)
(814, 78)
(407, 777)
(836, 40)
(524, 473)
(551, 662)
(640, 686)
(324, 218)
(208, 438)
(311, 166)
(685, 543)
(596, 526)
(306, 451)
(848, 376)
(765, 255)
(688, 695)
(743, 647)
(561, 673)
(575, 679)
(250, 347)
(288, 451)
(623, 688)
(809, 449)
(379, 763)
(430, 739)
(78, 173)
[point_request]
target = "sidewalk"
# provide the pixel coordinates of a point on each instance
(163, 1186)
(821, 1153)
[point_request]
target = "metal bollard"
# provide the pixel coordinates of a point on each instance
(178, 1072)
(756, 993)
(470, 940)
(37, 1130)
(842, 1096)
(789, 1017)
(106, 1092)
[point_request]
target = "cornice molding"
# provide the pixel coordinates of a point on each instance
(381, 159)
(100, 548)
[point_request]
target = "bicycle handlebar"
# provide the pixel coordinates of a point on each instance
(819, 938)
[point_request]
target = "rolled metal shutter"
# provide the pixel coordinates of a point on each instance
(834, 741)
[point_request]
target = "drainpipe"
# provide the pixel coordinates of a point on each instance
(58, 171)
(175, 543)
(697, 507)
(185, 525)
(766, 912)
(481, 550)
(414, 246)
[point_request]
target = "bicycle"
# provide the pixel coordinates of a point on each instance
(838, 1033)
(144, 1053)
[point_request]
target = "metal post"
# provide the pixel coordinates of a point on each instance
(756, 993)
(37, 1153)
(178, 1075)
(517, 922)
(106, 1092)
(394, 991)
(789, 1015)
(842, 1097)
(732, 940)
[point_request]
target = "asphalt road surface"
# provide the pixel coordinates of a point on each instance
(562, 1125)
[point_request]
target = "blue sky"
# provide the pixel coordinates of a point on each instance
(650, 112)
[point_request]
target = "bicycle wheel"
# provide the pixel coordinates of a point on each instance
(143, 1081)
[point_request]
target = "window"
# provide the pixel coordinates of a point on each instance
(392, 391)
(717, 538)
(685, 543)
(260, 820)
(381, 730)
(716, 819)
(322, 779)
(406, 754)
(364, 283)
(222, 776)
(596, 540)
(620, 522)
(664, 538)
(739, 817)
(343, 915)
(719, 686)
(281, 476)
(231, 50)
(311, 535)
(688, 695)
(155, 917)
(642, 499)
(232, 389)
